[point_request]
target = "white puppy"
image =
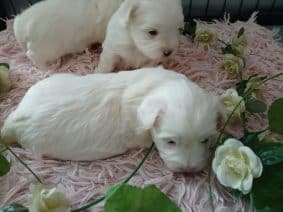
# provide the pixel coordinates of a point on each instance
(102, 115)
(53, 28)
(141, 33)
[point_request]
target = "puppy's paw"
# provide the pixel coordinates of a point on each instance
(98, 70)
(150, 64)
(104, 67)
(36, 58)
(108, 62)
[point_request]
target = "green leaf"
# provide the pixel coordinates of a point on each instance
(268, 189)
(236, 193)
(224, 137)
(241, 32)
(134, 199)
(112, 190)
(228, 49)
(14, 208)
(2, 148)
(4, 166)
(241, 87)
(251, 140)
(271, 153)
(190, 28)
(275, 116)
(6, 65)
(255, 106)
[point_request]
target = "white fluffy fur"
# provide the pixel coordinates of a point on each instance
(53, 28)
(100, 115)
(129, 44)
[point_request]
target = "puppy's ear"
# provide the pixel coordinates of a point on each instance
(149, 112)
(129, 9)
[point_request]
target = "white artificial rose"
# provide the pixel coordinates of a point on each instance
(48, 200)
(236, 165)
(205, 36)
(256, 85)
(230, 99)
(232, 64)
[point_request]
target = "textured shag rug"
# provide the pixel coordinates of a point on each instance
(84, 181)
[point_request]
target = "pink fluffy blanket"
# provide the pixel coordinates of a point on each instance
(84, 181)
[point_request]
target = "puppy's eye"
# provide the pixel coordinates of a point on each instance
(204, 141)
(153, 32)
(171, 143)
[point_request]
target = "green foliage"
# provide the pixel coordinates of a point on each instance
(255, 106)
(271, 153)
(267, 194)
(242, 85)
(228, 49)
(2, 148)
(4, 166)
(134, 199)
(6, 65)
(190, 28)
(14, 208)
(251, 140)
(268, 189)
(224, 137)
(112, 190)
(241, 32)
(275, 116)
(236, 193)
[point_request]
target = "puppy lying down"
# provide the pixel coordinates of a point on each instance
(97, 116)
(141, 32)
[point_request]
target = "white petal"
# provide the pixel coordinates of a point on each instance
(228, 148)
(259, 170)
(230, 92)
(228, 179)
(252, 161)
(234, 93)
(220, 153)
(247, 183)
(233, 143)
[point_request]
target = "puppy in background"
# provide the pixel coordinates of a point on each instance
(52, 28)
(141, 33)
(101, 115)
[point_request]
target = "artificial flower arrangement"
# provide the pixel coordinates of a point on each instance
(251, 166)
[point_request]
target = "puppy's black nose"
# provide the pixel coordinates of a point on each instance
(167, 53)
